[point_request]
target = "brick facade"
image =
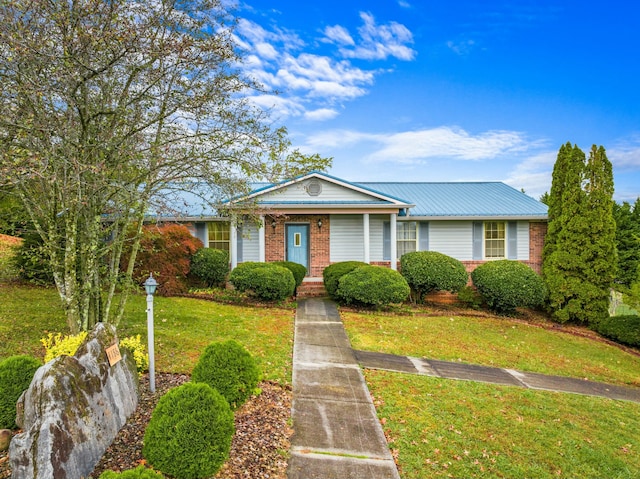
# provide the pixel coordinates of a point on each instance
(276, 244)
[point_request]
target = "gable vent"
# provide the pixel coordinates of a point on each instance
(314, 188)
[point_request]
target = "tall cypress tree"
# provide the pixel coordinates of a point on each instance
(579, 253)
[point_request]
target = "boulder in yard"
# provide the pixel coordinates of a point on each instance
(73, 410)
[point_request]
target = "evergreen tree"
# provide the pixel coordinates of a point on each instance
(579, 254)
(627, 220)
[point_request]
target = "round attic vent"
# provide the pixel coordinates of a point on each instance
(314, 188)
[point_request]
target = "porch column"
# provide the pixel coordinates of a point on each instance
(261, 241)
(365, 227)
(394, 241)
(233, 241)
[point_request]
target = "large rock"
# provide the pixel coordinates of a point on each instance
(73, 410)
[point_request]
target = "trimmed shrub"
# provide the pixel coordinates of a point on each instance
(298, 270)
(427, 271)
(211, 266)
(56, 344)
(373, 286)
(229, 368)
(266, 281)
(139, 472)
(190, 431)
(16, 373)
(165, 251)
(506, 285)
(624, 329)
(331, 275)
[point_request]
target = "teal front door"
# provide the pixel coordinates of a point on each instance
(298, 244)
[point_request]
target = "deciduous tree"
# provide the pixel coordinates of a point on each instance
(106, 108)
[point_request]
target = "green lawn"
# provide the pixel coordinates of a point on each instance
(183, 327)
(443, 428)
(492, 341)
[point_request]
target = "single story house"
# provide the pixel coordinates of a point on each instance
(318, 219)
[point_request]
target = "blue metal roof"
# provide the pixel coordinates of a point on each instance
(482, 199)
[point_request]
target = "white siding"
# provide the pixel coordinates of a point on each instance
(347, 238)
(376, 236)
(298, 192)
(523, 240)
(250, 246)
(453, 238)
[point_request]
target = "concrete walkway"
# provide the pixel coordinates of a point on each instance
(337, 432)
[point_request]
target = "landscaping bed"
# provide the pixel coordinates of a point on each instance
(260, 445)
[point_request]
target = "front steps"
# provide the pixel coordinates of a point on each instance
(311, 288)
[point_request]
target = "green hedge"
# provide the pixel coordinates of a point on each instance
(229, 368)
(331, 275)
(427, 271)
(16, 373)
(266, 281)
(299, 271)
(210, 265)
(621, 329)
(506, 285)
(190, 431)
(373, 286)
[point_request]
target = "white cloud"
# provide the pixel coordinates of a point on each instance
(447, 142)
(625, 154)
(378, 42)
(321, 114)
(462, 47)
(533, 174)
(339, 35)
(404, 4)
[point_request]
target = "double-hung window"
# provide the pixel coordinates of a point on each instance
(407, 236)
(495, 239)
(219, 235)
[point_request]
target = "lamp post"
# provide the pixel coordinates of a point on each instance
(150, 286)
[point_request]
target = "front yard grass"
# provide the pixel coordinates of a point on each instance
(492, 341)
(183, 328)
(443, 428)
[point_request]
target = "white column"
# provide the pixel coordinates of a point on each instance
(261, 241)
(394, 242)
(233, 241)
(365, 228)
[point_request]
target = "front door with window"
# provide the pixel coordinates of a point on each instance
(298, 244)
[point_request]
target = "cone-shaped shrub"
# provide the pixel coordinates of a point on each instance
(210, 265)
(16, 373)
(190, 431)
(229, 368)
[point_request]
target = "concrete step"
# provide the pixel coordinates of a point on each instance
(311, 289)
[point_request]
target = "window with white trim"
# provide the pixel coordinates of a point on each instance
(219, 235)
(495, 235)
(407, 236)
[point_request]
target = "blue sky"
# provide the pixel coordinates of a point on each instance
(424, 90)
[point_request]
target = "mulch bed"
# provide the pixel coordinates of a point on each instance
(259, 448)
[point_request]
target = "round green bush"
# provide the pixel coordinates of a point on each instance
(16, 373)
(139, 472)
(427, 271)
(229, 368)
(506, 285)
(373, 286)
(210, 265)
(299, 271)
(266, 281)
(624, 329)
(331, 275)
(190, 431)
